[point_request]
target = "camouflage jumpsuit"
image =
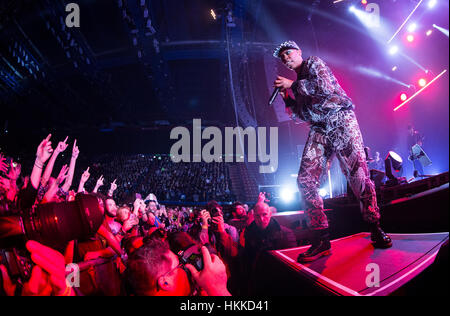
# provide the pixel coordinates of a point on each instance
(321, 102)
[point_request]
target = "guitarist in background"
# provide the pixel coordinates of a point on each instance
(414, 138)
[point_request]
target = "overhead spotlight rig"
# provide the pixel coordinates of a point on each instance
(224, 12)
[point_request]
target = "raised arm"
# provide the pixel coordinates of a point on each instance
(51, 193)
(84, 178)
(43, 153)
(99, 183)
(112, 188)
(73, 161)
(48, 170)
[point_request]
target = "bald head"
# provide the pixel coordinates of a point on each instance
(262, 215)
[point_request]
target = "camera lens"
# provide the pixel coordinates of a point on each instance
(55, 224)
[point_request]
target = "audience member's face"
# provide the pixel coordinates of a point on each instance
(111, 208)
(152, 206)
(240, 211)
(123, 214)
(262, 215)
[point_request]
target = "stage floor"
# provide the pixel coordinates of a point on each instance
(346, 270)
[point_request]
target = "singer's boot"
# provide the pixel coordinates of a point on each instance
(320, 247)
(379, 238)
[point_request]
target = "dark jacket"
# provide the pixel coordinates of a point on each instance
(318, 94)
(274, 237)
(256, 243)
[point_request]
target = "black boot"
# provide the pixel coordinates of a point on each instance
(320, 247)
(379, 238)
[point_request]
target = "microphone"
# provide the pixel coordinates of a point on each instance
(274, 95)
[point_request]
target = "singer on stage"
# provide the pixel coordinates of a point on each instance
(321, 102)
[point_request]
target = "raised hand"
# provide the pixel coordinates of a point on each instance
(62, 174)
(3, 165)
(100, 181)
(15, 170)
(75, 150)
(204, 214)
(262, 197)
(44, 150)
(85, 176)
(62, 145)
(218, 220)
(113, 186)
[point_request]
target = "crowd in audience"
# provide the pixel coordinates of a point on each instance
(176, 182)
(145, 248)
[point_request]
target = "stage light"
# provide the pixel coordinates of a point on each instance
(421, 90)
(410, 38)
(406, 21)
(394, 68)
(441, 29)
(412, 27)
(403, 97)
(429, 32)
(422, 82)
(213, 14)
(393, 50)
(432, 3)
(352, 8)
(323, 192)
(364, 2)
(394, 168)
(287, 194)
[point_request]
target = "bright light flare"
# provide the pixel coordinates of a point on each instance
(410, 38)
(406, 21)
(213, 14)
(287, 194)
(422, 82)
(403, 97)
(412, 27)
(393, 50)
(429, 32)
(323, 192)
(432, 3)
(420, 91)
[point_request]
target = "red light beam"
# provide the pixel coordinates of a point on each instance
(420, 91)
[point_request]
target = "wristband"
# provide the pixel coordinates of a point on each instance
(36, 164)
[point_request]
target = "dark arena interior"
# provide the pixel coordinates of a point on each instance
(245, 148)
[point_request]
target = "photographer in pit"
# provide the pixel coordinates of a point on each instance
(154, 270)
(210, 228)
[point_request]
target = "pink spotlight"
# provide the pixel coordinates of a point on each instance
(422, 82)
(420, 91)
(410, 38)
(403, 97)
